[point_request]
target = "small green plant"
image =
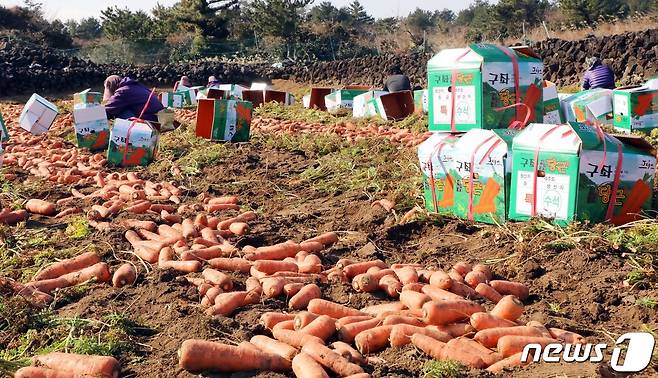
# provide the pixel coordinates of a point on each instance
(555, 308)
(635, 277)
(78, 228)
(648, 302)
(443, 369)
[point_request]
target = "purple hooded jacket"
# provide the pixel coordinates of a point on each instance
(599, 76)
(129, 99)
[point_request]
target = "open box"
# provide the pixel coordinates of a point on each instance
(393, 106)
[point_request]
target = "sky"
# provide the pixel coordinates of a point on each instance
(77, 9)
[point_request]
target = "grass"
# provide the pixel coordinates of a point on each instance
(78, 228)
(647, 302)
(443, 369)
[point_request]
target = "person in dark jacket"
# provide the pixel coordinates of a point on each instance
(212, 82)
(598, 75)
(125, 98)
(396, 80)
(184, 81)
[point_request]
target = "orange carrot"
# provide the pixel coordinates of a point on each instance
(439, 294)
(37, 206)
(80, 365)
(273, 266)
(484, 320)
(489, 337)
(238, 228)
(417, 287)
(68, 211)
(401, 334)
(231, 200)
(413, 299)
(41, 372)
(463, 290)
(390, 285)
(474, 278)
(431, 346)
(288, 324)
(540, 327)
(218, 278)
(14, 217)
(509, 362)
(270, 345)
(455, 276)
(137, 224)
(232, 264)
(471, 346)
(462, 268)
(342, 263)
(322, 327)
(304, 366)
(165, 261)
(210, 295)
(457, 329)
(99, 271)
(303, 318)
(327, 239)
(483, 269)
(361, 267)
(375, 310)
(337, 277)
(351, 319)
(203, 288)
(200, 355)
(510, 288)
(566, 336)
(226, 303)
(401, 319)
(512, 344)
(125, 275)
(203, 254)
(67, 266)
(304, 296)
(349, 353)
(441, 280)
(348, 332)
(488, 292)
(292, 288)
(330, 359)
(275, 252)
(221, 207)
(449, 311)
(273, 286)
(310, 264)
(332, 309)
(424, 275)
(311, 246)
(270, 319)
(373, 340)
(295, 338)
(509, 307)
(248, 345)
(189, 229)
(406, 275)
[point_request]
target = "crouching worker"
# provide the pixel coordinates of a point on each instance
(184, 81)
(396, 80)
(598, 75)
(212, 82)
(125, 98)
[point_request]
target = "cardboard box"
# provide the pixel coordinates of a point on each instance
(485, 82)
(421, 101)
(259, 86)
(259, 97)
(224, 120)
(316, 98)
(4, 134)
(483, 157)
(635, 108)
(38, 115)
(552, 110)
(392, 106)
(132, 143)
(591, 106)
(575, 175)
(92, 130)
(342, 98)
(172, 99)
(87, 97)
(436, 159)
(232, 91)
(360, 106)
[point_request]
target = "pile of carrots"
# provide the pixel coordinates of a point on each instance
(70, 365)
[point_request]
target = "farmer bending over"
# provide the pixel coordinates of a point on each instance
(598, 75)
(212, 82)
(396, 80)
(184, 81)
(125, 98)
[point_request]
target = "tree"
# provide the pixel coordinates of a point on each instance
(88, 29)
(590, 12)
(124, 24)
(359, 14)
(528, 12)
(418, 23)
(207, 18)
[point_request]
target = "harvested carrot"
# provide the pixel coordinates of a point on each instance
(484, 320)
(125, 275)
(390, 285)
(14, 217)
(275, 252)
(226, 303)
(332, 309)
(203, 254)
(566, 336)
(68, 211)
(511, 288)
(484, 270)
(270, 345)
(41, 372)
(37, 206)
(203, 288)
(230, 200)
(99, 271)
(351, 319)
(473, 278)
(304, 366)
(455, 276)
(67, 266)
(509, 307)
(221, 207)
(288, 324)
(310, 264)
(165, 261)
(218, 278)
(373, 340)
(449, 311)
(413, 299)
(302, 319)
(273, 286)
(401, 319)
(137, 224)
(512, 344)
(462, 267)
(80, 365)
(401, 334)
(424, 275)
(238, 228)
(348, 332)
(431, 346)
(457, 329)
(331, 360)
(292, 288)
(304, 296)
(342, 263)
(417, 287)
(327, 239)
(273, 266)
(322, 327)
(441, 280)
(439, 294)
(362, 267)
(463, 290)
(509, 362)
(311, 246)
(248, 345)
(375, 310)
(295, 338)
(360, 375)
(189, 229)
(349, 353)
(232, 264)
(540, 327)
(270, 319)
(201, 355)
(488, 292)
(489, 337)
(406, 275)
(210, 295)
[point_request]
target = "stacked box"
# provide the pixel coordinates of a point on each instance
(635, 108)
(224, 120)
(482, 171)
(92, 130)
(590, 106)
(360, 106)
(87, 97)
(4, 133)
(392, 106)
(436, 159)
(258, 97)
(552, 111)
(232, 91)
(342, 98)
(576, 172)
(38, 115)
(172, 99)
(484, 84)
(421, 101)
(132, 143)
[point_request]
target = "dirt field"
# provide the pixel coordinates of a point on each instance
(596, 281)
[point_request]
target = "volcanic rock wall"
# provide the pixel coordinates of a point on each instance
(23, 69)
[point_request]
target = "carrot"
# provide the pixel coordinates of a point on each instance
(390, 285)
(221, 206)
(203, 288)
(401, 319)
(488, 292)
(337, 277)
(342, 263)
(349, 353)
(512, 344)
(134, 223)
(489, 337)
(509, 362)
(270, 345)
(361, 267)
(311, 246)
(292, 288)
(304, 296)
(37, 206)
(311, 264)
(463, 290)
(509, 307)
(510, 288)
(351, 319)
(68, 211)
(484, 270)
(304, 366)
(273, 286)
(226, 303)
(270, 319)
(406, 275)
(484, 320)
(416, 286)
(449, 311)
(288, 324)
(327, 239)
(322, 327)
(567, 337)
(474, 278)
(430, 346)
(540, 327)
(332, 309)
(14, 217)
(139, 207)
(210, 295)
(455, 276)
(304, 318)
(165, 261)
(375, 310)
(348, 332)
(229, 200)
(208, 253)
(67, 266)
(295, 338)
(373, 340)
(273, 266)
(441, 280)
(360, 375)
(234, 264)
(416, 313)
(189, 229)
(218, 278)
(201, 355)
(424, 275)
(41, 372)
(248, 345)
(471, 346)
(125, 275)
(275, 252)
(413, 299)
(401, 333)
(462, 267)
(238, 228)
(439, 294)
(99, 271)
(79, 365)
(457, 329)
(330, 359)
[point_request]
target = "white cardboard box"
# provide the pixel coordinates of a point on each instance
(38, 115)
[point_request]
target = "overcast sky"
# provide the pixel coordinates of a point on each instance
(66, 9)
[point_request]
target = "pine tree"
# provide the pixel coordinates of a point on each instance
(279, 18)
(359, 14)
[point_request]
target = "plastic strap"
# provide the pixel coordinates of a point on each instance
(453, 90)
(533, 210)
(615, 183)
(516, 124)
(134, 121)
(472, 173)
(517, 86)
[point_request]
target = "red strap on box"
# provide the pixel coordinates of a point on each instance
(517, 86)
(533, 210)
(134, 121)
(436, 152)
(472, 171)
(453, 90)
(517, 124)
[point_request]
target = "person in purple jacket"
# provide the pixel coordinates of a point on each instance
(125, 98)
(598, 75)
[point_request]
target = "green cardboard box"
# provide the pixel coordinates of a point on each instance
(485, 82)
(590, 106)
(435, 156)
(342, 98)
(4, 134)
(132, 143)
(635, 108)
(575, 175)
(421, 101)
(92, 129)
(360, 106)
(172, 99)
(87, 97)
(552, 110)
(485, 158)
(224, 120)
